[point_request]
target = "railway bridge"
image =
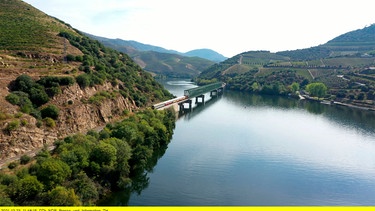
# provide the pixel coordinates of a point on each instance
(198, 93)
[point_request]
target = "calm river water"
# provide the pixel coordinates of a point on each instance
(243, 149)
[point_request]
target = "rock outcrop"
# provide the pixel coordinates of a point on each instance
(76, 115)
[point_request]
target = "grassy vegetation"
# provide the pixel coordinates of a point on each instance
(25, 28)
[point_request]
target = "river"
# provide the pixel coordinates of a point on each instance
(244, 149)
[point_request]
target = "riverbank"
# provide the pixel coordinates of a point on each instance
(326, 102)
(86, 168)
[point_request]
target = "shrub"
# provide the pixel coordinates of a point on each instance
(23, 83)
(50, 122)
(38, 96)
(24, 122)
(4, 116)
(24, 159)
(12, 165)
(13, 99)
(70, 57)
(83, 80)
(18, 115)
(39, 124)
(50, 111)
(13, 125)
(66, 81)
(52, 91)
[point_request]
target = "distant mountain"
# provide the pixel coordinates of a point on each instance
(130, 45)
(171, 65)
(158, 60)
(207, 54)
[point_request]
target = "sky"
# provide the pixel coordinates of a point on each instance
(229, 27)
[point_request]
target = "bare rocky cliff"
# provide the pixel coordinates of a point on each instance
(76, 115)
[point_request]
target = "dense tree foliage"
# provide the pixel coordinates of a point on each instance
(83, 168)
(29, 94)
(275, 83)
(317, 89)
(102, 64)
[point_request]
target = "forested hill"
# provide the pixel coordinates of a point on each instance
(55, 81)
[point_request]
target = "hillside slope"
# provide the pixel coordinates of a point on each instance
(158, 60)
(345, 65)
(56, 81)
(353, 43)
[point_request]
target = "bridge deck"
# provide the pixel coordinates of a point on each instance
(190, 93)
(194, 92)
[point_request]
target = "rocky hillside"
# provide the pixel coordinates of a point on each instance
(56, 81)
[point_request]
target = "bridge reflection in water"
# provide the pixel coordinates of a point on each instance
(184, 103)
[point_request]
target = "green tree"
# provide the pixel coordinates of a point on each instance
(27, 188)
(317, 89)
(255, 86)
(123, 154)
(23, 83)
(104, 154)
(125, 130)
(295, 87)
(85, 189)
(53, 172)
(38, 96)
(4, 198)
(83, 80)
(6, 201)
(60, 196)
(76, 157)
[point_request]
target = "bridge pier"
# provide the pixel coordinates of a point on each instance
(213, 93)
(182, 105)
(220, 90)
(217, 92)
(197, 99)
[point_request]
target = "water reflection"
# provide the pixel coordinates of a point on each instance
(360, 119)
(242, 149)
(199, 108)
(140, 181)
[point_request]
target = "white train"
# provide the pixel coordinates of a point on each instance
(169, 102)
